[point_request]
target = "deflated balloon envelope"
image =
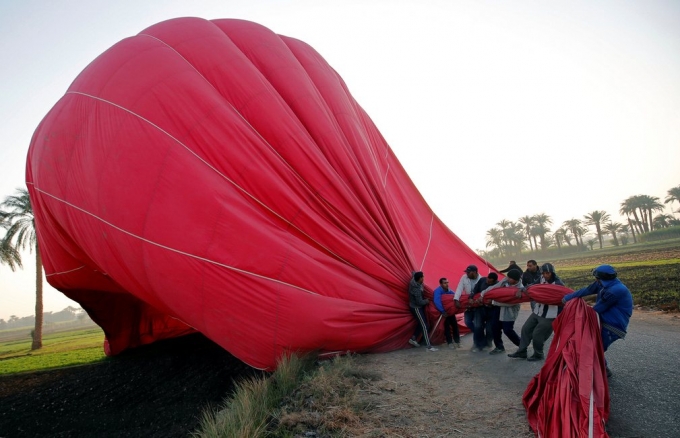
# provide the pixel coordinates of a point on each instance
(213, 176)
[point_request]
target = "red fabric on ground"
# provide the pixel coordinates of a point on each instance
(569, 397)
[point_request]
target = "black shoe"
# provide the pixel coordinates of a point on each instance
(518, 354)
(535, 357)
(497, 351)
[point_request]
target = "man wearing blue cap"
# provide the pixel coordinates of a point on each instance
(614, 304)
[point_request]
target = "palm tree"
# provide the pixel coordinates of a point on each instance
(591, 243)
(20, 234)
(559, 237)
(505, 226)
(574, 225)
(515, 237)
(565, 235)
(596, 218)
(673, 195)
(494, 238)
(662, 221)
(650, 204)
(632, 229)
(542, 221)
(8, 254)
(613, 228)
(630, 207)
(527, 224)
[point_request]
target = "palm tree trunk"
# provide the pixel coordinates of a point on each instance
(37, 333)
(531, 247)
(632, 229)
(649, 217)
(637, 222)
(645, 225)
(599, 233)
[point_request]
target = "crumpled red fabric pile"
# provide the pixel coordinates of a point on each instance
(569, 397)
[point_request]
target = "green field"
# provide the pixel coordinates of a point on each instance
(59, 350)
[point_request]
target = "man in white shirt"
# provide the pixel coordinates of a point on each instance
(465, 286)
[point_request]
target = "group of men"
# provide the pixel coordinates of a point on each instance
(488, 322)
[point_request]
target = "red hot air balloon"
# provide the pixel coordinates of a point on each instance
(213, 176)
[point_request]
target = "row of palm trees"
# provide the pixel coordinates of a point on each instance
(510, 237)
(16, 218)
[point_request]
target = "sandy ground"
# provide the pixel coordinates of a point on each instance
(447, 393)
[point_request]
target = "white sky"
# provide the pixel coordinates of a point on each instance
(496, 109)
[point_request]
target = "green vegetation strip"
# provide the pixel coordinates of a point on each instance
(626, 264)
(655, 285)
(59, 350)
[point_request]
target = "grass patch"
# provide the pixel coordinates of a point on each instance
(664, 249)
(63, 349)
(650, 270)
(298, 397)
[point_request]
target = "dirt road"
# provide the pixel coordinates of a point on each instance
(452, 393)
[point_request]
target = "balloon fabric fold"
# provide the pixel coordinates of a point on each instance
(569, 397)
(214, 176)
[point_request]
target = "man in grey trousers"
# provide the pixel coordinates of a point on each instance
(538, 327)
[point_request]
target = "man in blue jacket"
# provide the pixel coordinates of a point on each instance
(450, 321)
(614, 304)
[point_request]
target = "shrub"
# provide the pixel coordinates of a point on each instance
(662, 234)
(296, 398)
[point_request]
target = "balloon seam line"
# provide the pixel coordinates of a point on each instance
(170, 248)
(218, 172)
(63, 272)
(387, 171)
(291, 168)
(260, 136)
(429, 240)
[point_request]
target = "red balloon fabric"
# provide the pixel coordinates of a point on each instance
(504, 295)
(550, 294)
(213, 176)
(569, 397)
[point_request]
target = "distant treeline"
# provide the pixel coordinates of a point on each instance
(510, 238)
(69, 314)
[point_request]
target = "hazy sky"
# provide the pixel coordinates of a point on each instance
(496, 109)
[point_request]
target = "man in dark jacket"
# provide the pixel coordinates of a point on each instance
(511, 266)
(532, 275)
(417, 305)
(482, 335)
(614, 304)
